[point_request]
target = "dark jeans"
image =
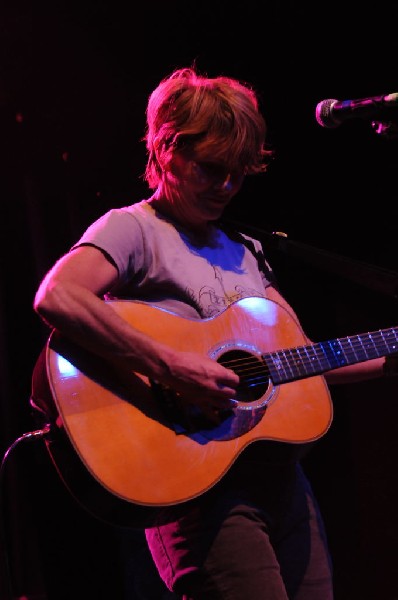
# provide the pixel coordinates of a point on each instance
(141, 581)
(251, 538)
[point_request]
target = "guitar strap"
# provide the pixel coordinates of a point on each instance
(237, 236)
(376, 278)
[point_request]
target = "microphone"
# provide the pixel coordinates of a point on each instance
(331, 113)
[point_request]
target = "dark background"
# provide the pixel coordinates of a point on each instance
(74, 82)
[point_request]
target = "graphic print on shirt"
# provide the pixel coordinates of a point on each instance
(213, 299)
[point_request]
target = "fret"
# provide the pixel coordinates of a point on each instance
(290, 364)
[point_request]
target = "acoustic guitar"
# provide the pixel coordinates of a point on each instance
(127, 441)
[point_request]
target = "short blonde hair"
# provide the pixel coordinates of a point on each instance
(218, 117)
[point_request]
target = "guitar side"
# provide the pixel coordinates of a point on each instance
(120, 431)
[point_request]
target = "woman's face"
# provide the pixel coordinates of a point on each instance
(199, 190)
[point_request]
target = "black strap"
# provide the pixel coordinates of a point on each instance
(375, 278)
(238, 237)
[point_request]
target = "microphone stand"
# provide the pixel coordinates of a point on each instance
(378, 279)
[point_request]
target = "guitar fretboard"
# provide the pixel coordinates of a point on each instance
(304, 361)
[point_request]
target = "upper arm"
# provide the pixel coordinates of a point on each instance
(86, 266)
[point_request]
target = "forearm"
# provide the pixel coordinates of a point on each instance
(84, 318)
(362, 371)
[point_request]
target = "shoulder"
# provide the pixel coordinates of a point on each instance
(255, 247)
(120, 220)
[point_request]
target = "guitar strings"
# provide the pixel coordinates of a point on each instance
(307, 357)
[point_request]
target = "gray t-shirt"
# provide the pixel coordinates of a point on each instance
(161, 263)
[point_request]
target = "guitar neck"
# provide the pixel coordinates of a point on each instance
(305, 361)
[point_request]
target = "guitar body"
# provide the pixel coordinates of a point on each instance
(131, 437)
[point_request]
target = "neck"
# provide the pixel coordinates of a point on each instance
(168, 209)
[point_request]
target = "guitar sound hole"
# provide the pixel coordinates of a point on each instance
(252, 371)
(188, 418)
